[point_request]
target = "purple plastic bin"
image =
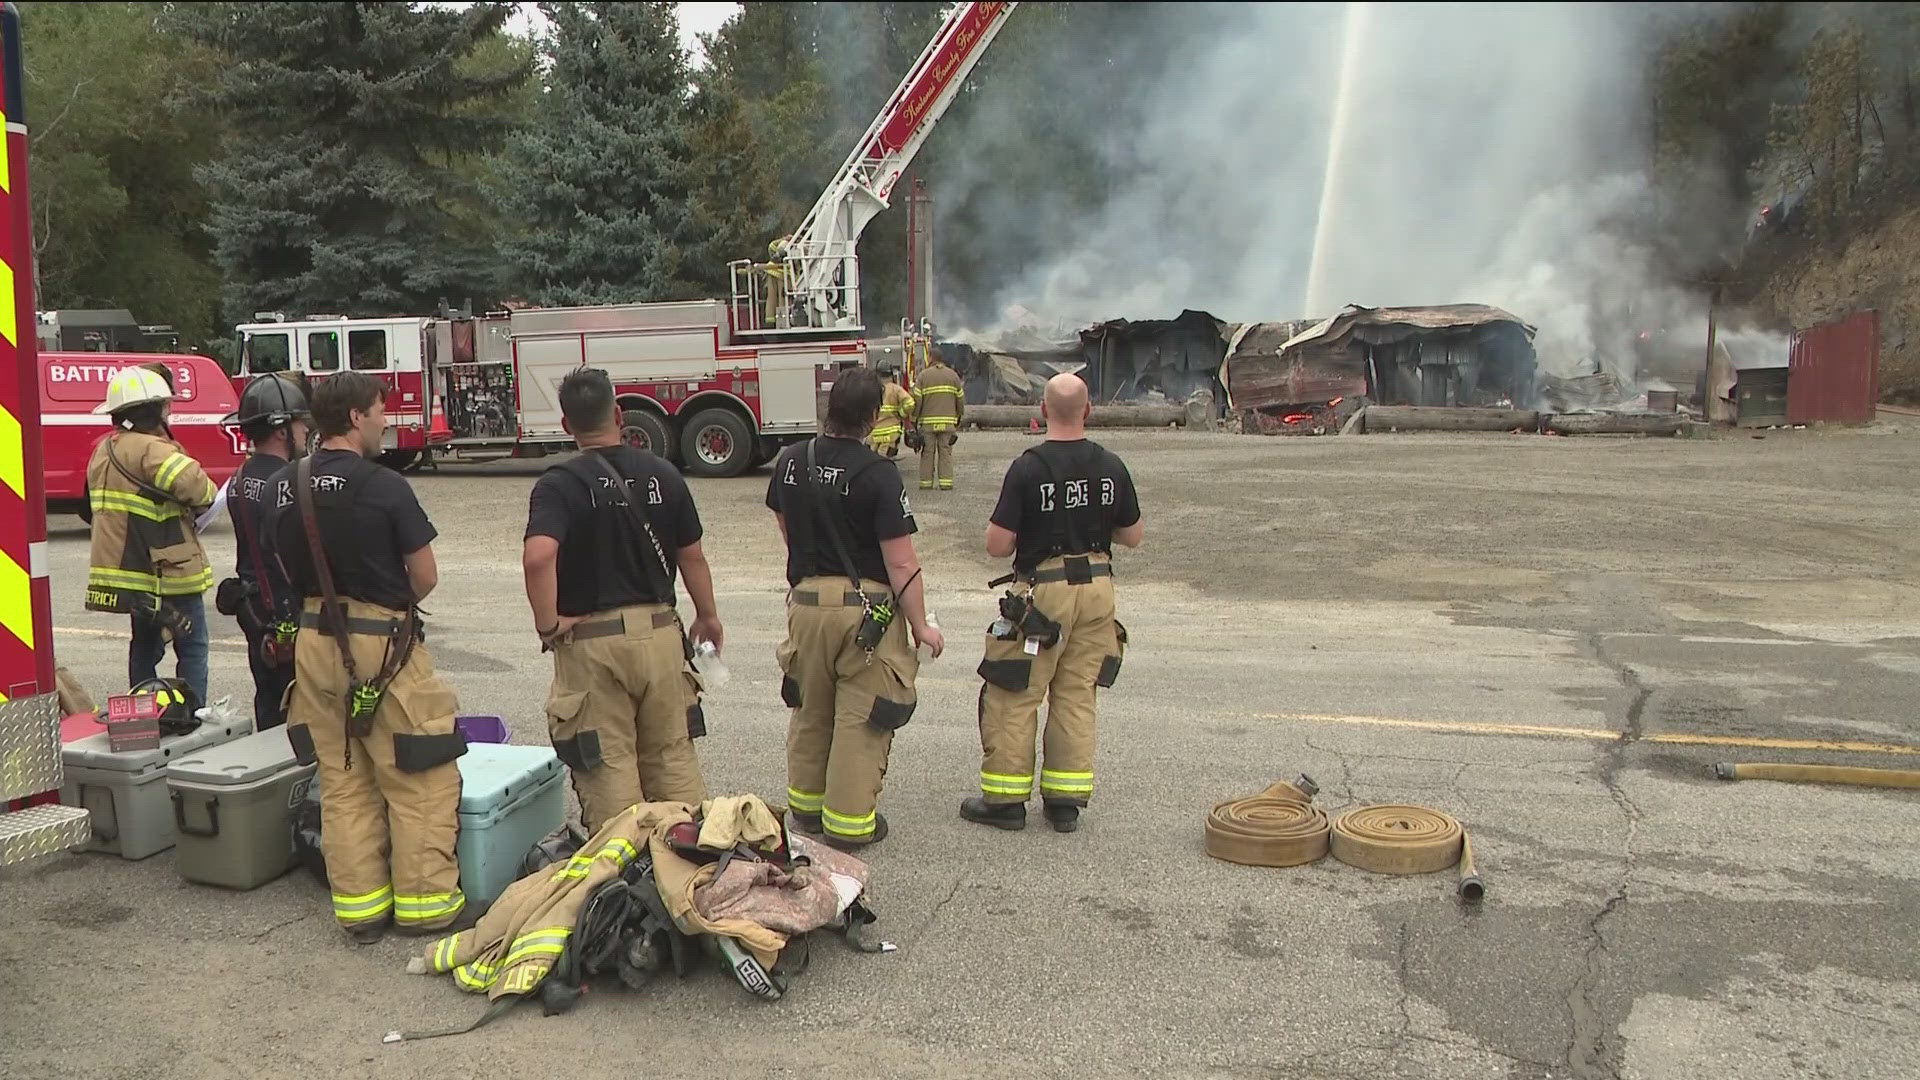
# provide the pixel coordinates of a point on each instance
(486, 729)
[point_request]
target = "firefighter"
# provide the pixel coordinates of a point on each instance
(1063, 506)
(895, 404)
(848, 663)
(145, 491)
(938, 406)
(273, 417)
(366, 702)
(607, 533)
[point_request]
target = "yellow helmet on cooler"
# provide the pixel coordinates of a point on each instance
(134, 386)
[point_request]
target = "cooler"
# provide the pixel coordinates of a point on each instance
(511, 798)
(233, 809)
(127, 793)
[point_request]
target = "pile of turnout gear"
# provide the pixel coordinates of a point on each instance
(660, 886)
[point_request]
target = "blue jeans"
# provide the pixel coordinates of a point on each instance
(149, 647)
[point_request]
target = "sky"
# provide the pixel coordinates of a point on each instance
(695, 18)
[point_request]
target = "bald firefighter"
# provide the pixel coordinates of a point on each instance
(366, 703)
(607, 534)
(895, 406)
(145, 492)
(938, 405)
(1063, 506)
(848, 662)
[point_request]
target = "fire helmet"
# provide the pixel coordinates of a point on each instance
(269, 401)
(134, 386)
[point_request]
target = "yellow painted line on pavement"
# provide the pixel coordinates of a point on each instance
(1552, 731)
(88, 631)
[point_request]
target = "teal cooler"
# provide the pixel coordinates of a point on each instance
(511, 798)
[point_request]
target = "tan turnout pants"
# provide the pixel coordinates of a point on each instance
(846, 704)
(1065, 676)
(936, 459)
(389, 802)
(624, 710)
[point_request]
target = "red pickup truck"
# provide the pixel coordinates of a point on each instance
(73, 384)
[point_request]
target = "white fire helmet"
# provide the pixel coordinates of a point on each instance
(134, 386)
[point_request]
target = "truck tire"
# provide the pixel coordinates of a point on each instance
(717, 442)
(399, 460)
(764, 450)
(645, 430)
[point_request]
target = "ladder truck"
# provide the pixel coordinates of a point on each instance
(717, 386)
(32, 822)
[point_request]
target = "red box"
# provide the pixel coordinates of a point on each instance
(133, 722)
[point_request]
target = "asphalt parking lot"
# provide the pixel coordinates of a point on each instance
(1395, 615)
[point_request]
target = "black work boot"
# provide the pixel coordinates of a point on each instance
(806, 823)
(367, 933)
(850, 845)
(1064, 817)
(1009, 816)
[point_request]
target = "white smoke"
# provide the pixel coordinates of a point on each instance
(1487, 153)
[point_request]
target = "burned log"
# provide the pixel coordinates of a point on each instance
(1381, 418)
(1615, 423)
(1104, 416)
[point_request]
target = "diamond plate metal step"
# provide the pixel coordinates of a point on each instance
(42, 830)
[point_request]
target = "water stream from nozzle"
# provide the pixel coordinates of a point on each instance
(1319, 303)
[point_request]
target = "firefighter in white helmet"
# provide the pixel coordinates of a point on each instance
(145, 492)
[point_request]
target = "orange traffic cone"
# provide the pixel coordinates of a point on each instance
(437, 429)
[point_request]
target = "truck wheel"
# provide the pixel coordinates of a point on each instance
(647, 431)
(764, 450)
(399, 460)
(717, 443)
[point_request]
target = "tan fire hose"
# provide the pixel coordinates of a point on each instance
(1281, 827)
(1278, 827)
(1819, 774)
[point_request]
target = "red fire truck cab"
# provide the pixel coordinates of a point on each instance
(73, 384)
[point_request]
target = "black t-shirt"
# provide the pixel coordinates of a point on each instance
(368, 527)
(1098, 497)
(250, 504)
(603, 554)
(874, 508)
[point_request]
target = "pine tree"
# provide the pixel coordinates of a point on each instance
(598, 185)
(334, 189)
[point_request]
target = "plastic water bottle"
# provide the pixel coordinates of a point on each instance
(933, 623)
(711, 669)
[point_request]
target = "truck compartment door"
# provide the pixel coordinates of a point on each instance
(787, 388)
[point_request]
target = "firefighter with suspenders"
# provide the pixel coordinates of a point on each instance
(366, 701)
(1063, 506)
(273, 417)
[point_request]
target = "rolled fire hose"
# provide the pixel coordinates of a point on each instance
(1395, 839)
(1278, 827)
(1819, 774)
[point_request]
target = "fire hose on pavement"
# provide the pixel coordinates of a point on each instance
(1281, 827)
(1819, 774)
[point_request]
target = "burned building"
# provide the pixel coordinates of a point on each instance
(1121, 360)
(1454, 354)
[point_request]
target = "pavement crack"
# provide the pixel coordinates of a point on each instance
(1593, 1044)
(281, 925)
(934, 915)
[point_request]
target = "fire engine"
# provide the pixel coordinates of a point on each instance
(717, 386)
(31, 820)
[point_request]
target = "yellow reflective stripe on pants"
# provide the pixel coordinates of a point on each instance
(885, 431)
(364, 907)
(412, 909)
(842, 825)
(126, 502)
(170, 470)
(805, 802)
(1003, 784)
(1066, 783)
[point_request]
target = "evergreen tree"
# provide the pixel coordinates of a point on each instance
(335, 190)
(598, 185)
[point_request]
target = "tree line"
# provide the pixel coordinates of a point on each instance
(200, 162)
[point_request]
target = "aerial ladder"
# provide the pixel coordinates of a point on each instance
(810, 285)
(31, 821)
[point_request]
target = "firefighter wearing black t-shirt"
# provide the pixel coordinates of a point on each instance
(273, 417)
(1062, 507)
(624, 708)
(848, 662)
(384, 735)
